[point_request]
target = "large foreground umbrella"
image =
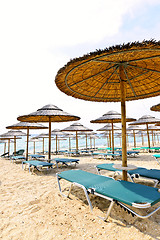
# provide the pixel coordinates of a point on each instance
(116, 74)
(27, 126)
(155, 108)
(146, 120)
(49, 113)
(111, 117)
(77, 128)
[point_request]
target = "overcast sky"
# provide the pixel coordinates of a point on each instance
(38, 37)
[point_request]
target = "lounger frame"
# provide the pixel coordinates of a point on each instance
(92, 191)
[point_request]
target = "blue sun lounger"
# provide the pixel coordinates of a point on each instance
(66, 161)
(37, 165)
(152, 174)
(17, 158)
(36, 156)
(157, 157)
(107, 155)
(120, 192)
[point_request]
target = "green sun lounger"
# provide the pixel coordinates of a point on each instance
(157, 157)
(120, 192)
(152, 174)
(37, 165)
(66, 161)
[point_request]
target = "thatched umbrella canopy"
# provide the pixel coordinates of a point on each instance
(155, 108)
(153, 129)
(116, 74)
(27, 126)
(134, 128)
(8, 136)
(49, 113)
(110, 126)
(77, 128)
(16, 135)
(34, 140)
(146, 119)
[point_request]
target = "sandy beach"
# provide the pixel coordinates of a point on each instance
(31, 207)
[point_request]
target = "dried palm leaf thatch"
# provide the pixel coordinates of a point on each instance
(97, 75)
(156, 108)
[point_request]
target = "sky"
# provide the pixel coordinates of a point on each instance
(38, 37)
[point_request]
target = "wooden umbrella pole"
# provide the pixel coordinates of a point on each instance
(43, 145)
(14, 143)
(110, 145)
(148, 136)
(49, 142)
(56, 145)
(27, 143)
(134, 135)
(34, 144)
(123, 120)
(112, 138)
(86, 141)
(8, 147)
(69, 144)
(5, 147)
(76, 142)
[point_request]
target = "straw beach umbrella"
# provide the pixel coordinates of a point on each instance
(116, 74)
(49, 113)
(133, 129)
(155, 108)
(57, 133)
(27, 126)
(77, 128)
(15, 135)
(146, 120)
(111, 117)
(110, 127)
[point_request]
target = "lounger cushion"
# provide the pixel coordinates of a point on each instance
(38, 163)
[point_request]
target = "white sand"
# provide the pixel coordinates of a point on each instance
(31, 207)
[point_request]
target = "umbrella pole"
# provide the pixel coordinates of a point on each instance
(112, 138)
(134, 138)
(34, 147)
(49, 146)
(76, 143)
(148, 136)
(43, 145)
(123, 120)
(8, 147)
(14, 143)
(5, 147)
(69, 144)
(27, 143)
(56, 144)
(86, 141)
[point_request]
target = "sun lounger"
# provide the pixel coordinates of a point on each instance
(130, 153)
(120, 192)
(36, 156)
(152, 174)
(66, 161)
(18, 153)
(39, 165)
(107, 155)
(17, 158)
(157, 157)
(5, 154)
